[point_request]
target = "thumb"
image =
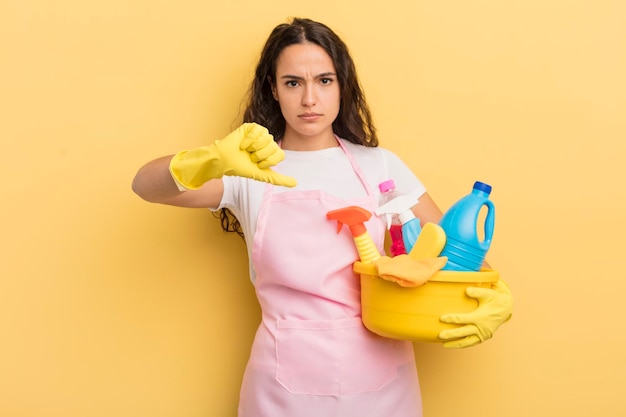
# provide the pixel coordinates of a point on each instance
(275, 178)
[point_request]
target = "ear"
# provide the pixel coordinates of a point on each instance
(273, 86)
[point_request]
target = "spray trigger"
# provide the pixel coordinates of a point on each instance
(353, 216)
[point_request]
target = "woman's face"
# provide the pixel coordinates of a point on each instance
(307, 91)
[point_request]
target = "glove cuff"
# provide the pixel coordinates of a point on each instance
(177, 172)
(191, 169)
(179, 185)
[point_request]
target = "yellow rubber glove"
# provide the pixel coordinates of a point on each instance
(248, 152)
(495, 306)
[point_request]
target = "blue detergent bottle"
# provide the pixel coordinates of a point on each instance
(464, 247)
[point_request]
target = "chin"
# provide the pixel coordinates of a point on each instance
(313, 130)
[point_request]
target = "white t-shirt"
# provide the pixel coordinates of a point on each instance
(328, 170)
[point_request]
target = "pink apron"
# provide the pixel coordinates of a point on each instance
(312, 356)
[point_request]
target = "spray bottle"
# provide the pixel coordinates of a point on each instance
(388, 192)
(411, 227)
(355, 217)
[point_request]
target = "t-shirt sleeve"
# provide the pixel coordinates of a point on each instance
(404, 178)
(228, 197)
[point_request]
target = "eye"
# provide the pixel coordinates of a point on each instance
(291, 83)
(326, 81)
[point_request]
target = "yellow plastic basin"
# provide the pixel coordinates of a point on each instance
(397, 312)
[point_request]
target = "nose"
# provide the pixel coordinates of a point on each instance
(309, 96)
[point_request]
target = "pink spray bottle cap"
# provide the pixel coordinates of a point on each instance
(386, 186)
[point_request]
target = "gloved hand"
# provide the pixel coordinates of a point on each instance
(248, 152)
(495, 306)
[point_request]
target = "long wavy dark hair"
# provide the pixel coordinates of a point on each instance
(353, 123)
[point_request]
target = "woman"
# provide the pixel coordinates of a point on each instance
(306, 117)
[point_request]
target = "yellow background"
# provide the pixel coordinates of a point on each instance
(110, 306)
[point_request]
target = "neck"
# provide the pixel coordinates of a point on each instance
(295, 142)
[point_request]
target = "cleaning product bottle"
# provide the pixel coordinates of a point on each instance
(394, 225)
(411, 227)
(464, 247)
(355, 217)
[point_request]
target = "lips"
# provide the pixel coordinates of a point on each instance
(309, 116)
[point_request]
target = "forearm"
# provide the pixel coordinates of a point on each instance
(427, 210)
(154, 183)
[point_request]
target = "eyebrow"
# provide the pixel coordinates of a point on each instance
(322, 75)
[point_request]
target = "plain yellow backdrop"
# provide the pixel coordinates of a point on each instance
(110, 306)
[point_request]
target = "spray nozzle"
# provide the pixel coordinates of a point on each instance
(401, 206)
(352, 216)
